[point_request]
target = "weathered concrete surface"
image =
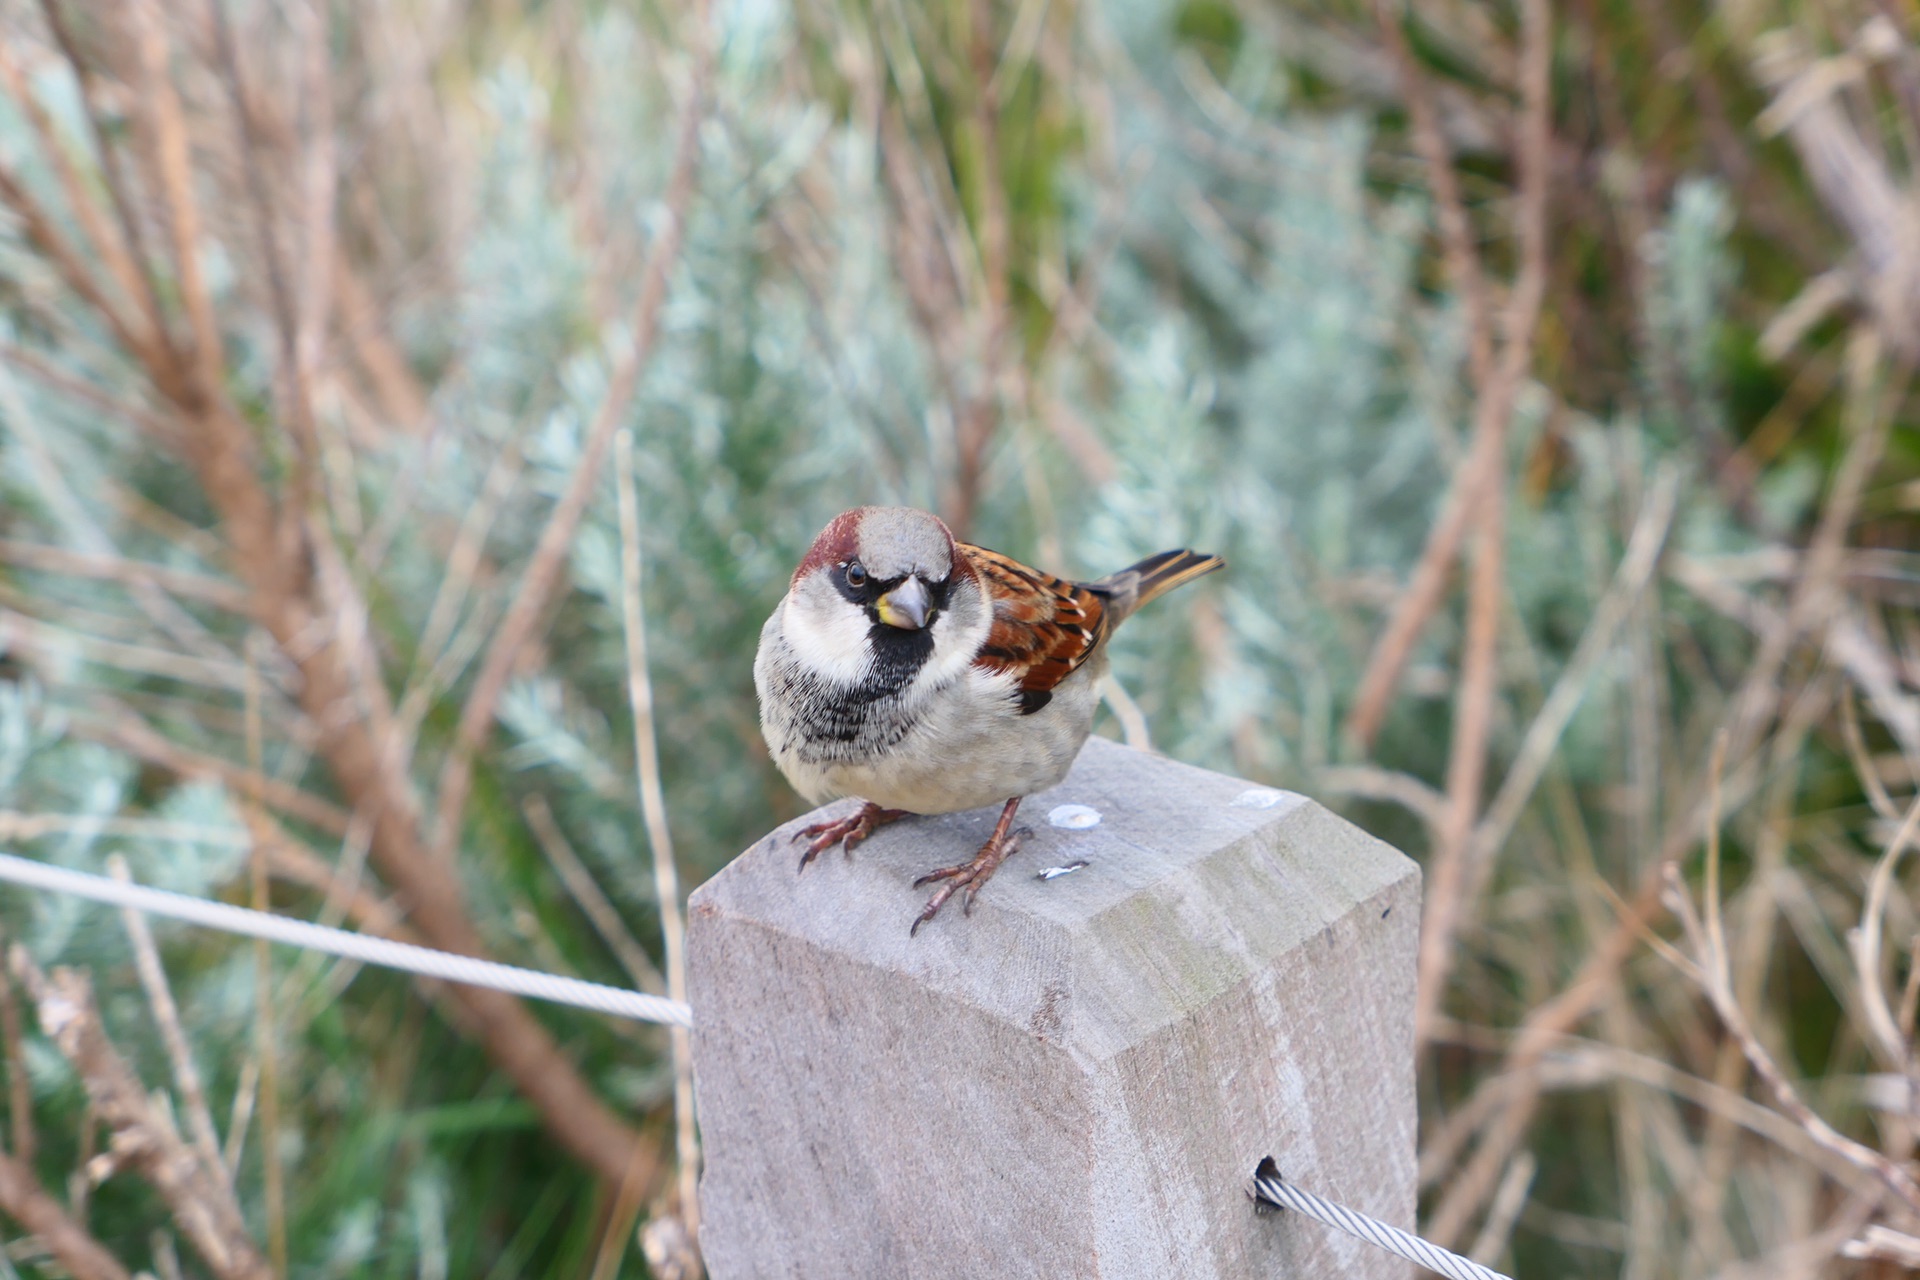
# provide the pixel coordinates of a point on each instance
(1079, 1079)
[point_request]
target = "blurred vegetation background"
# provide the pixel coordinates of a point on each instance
(1543, 368)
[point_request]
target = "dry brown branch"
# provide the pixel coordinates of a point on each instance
(1372, 783)
(30, 636)
(133, 735)
(265, 1023)
(1473, 715)
(43, 230)
(1477, 474)
(1497, 1230)
(549, 555)
(653, 805)
(1863, 941)
(154, 425)
(1709, 948)
(292, 384)
(1536, 749)
(105, 568)
(186, 1076)
(13, 1051)
(1853, 182)
(1596, 978)
(977, 418)
(162, 134)
(143, 1136)
(1580, 1063)
(24, 1200)
(1863, 766)
(1749, 710)
(115, 178)
(1885, 1244)
(95, 232)
(1456, 231)
(396, 390)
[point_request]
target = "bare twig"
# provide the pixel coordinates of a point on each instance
(1479, 471)
(1597, 976)
(163, 131)
(1372, 783)
(1864, 942)
(549, 554)
(1886, 1244)
(143, 1135)
(587, 892)
(1497, 1230)
(26, 1202)
(19, 1088)
(1543, 735)
(266, 1036)
(117, 182)
(133, 735)
(43, 370)
(108, 568)
(292, 383)
(666, 878)
(978, 417)
(94, 230)
(1133, 721)
(1710, 959)
(1456, 232)
(30, 635)
(397, 390)
(44, 231)
(1466, 760)
(238, 1120)
(186, 1076)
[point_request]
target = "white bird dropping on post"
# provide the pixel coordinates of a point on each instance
(1073, 817)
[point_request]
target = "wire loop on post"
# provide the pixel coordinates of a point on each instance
(388, 954)
(1272, 1191)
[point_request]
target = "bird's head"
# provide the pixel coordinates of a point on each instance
(883, 595)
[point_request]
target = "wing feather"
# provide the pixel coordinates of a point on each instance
(1044, 627)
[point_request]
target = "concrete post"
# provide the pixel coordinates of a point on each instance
(1079, 1079)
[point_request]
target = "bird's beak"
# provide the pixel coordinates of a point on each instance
(907, 606)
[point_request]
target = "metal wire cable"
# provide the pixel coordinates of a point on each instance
(466, 970)
(1272, 1191)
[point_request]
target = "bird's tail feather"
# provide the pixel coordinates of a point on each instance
(1134, 586)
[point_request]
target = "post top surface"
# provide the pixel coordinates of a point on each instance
(1193, 880)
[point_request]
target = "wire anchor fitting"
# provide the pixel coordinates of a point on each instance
(1271, 1191)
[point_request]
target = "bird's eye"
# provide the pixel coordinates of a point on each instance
(856, 575)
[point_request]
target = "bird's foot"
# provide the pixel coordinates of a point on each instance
(845, 832)
(972, 875)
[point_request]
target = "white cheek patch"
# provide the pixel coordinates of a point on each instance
(953, 650)
(958, 632)
(831, 641)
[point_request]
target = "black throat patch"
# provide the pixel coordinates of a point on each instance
(898, 655)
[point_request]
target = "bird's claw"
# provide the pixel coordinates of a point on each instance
(845, 832)
(969, 876)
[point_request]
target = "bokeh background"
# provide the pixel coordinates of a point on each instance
(1543, 369)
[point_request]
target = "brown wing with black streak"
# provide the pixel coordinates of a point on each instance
(1043, 627)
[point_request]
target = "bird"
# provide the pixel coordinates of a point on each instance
(925, 675)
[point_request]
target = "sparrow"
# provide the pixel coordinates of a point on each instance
(926, 675)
